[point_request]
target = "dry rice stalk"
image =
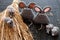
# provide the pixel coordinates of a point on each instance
(19, 31)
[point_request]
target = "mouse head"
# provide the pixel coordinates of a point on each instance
(27, 12)
(11, 11)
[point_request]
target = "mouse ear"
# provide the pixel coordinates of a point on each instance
(31, 5)
(47, 9)
(37, 9)
(22, 5)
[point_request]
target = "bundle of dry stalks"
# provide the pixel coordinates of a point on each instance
(19, 31)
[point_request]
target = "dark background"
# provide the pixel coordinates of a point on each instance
(55, 19)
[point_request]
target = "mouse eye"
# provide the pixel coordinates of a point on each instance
(37, 9)
(31, 5)
(22, 5)
(47, 9)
